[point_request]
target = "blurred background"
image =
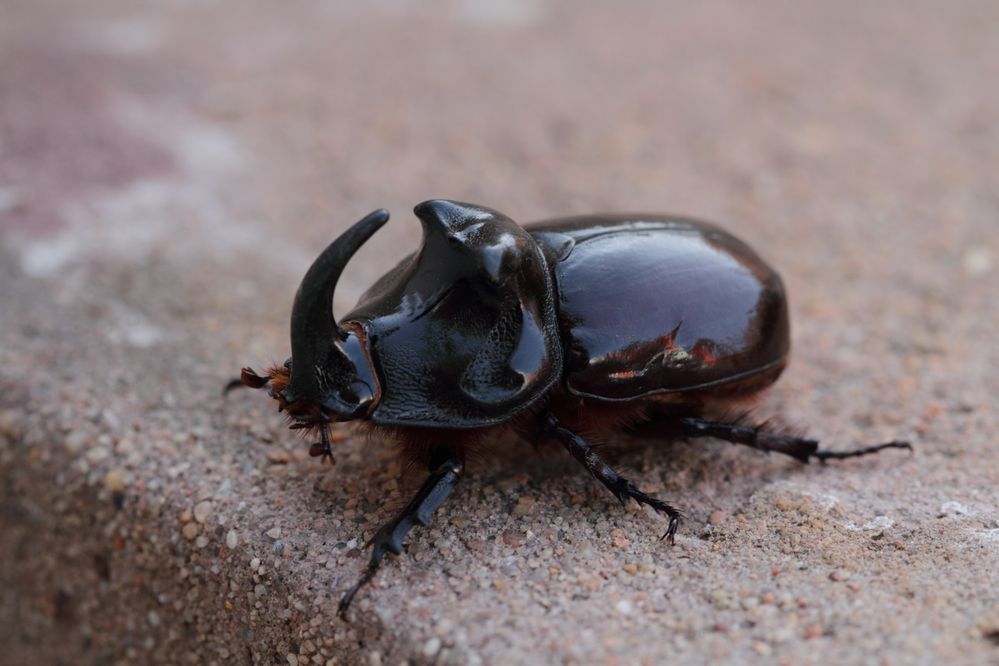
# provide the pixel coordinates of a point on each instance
(169, 169)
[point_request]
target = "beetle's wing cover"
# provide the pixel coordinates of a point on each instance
(653, 304)
(464, 331)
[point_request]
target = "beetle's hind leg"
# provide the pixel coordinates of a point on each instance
(759, 437)
(446, 469)
(621, 487)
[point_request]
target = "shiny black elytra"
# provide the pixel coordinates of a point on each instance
(573, 325)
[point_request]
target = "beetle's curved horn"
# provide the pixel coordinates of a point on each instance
(312, 324)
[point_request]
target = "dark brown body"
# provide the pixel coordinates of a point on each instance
(490, 320)
(651, 305)
(553, 330)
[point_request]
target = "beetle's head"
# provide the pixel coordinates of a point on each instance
(330, 375)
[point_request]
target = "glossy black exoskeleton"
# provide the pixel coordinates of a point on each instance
(570, 325)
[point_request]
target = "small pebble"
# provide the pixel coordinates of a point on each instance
(9, 426)
(977, 261)
(190, 531)
(202, 510)
(717, 517)
(11, 198)
(277, 456)
(525, 505)
(255, 563)
(761, 648)
(76, 440)
(839, 576)
(513, 538)
(231, 539)
(115, 480)
(292, 659)
(274, 533)
(111, 419)
(954, 508)
(431, 647)
(720, 599)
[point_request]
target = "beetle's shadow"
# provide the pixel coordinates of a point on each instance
(698, 476)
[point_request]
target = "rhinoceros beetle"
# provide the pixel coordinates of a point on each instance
(571, 325)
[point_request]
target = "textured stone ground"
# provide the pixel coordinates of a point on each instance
(167, 170)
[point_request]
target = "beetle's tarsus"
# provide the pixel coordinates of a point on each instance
(389, 539)
(620, 487)
(348, 597)
(757, 437)
(823, 456)
(321, 450)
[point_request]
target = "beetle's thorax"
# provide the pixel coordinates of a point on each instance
(463, 332)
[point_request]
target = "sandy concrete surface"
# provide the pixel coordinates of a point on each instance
(168, 170)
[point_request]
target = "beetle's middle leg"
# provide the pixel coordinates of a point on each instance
(759, 437)
(621, 487)
(446, 469)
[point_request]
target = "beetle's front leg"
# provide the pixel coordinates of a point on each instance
(622, 488)
(446, 470)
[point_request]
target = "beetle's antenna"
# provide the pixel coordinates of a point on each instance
(247, 377)
(233, 384)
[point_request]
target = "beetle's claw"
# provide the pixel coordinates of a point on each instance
(670, 536)
(348, 597)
